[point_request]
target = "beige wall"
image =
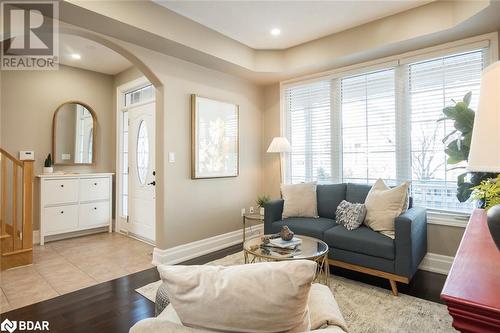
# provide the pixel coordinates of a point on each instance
(29, 100)
(442, 239)
(271, 128)
(198, 209)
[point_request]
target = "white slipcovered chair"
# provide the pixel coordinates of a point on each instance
(324, 313)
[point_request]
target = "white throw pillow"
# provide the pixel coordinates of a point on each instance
(262, 297)
(300, 200)
(383, 204)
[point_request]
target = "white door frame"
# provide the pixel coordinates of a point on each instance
(121, 221)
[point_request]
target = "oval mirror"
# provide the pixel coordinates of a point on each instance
(73, 134)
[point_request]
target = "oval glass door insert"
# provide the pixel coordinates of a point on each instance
(142, 152)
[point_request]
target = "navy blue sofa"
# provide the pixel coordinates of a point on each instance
(362, 249)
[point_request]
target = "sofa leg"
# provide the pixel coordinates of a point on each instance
(394, 287)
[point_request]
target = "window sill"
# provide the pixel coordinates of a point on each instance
(459, 220)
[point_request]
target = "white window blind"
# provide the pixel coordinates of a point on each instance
(383, 124)
(433, 85)
(309, 132)
(368, 112)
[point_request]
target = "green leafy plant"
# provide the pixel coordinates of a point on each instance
(262, 200)
(458, 146)
(488, 192)
(48, 161)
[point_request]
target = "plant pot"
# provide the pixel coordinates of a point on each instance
(261, 211)
(494, 224)
(48, 169)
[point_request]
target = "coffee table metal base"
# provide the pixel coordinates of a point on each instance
(322, 272)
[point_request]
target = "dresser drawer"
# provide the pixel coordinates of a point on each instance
(60, 218)
(96, 213)
(94, 189)
(59, 191)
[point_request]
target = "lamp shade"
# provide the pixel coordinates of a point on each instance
(279, 145)
(484, 152)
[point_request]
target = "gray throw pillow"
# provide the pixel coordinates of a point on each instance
(350, 215)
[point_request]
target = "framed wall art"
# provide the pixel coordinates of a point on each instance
(215, 138)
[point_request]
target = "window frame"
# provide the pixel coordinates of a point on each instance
(400, 62)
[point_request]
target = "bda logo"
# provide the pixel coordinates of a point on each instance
(8, 326)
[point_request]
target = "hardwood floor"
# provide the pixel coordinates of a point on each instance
(114, 306)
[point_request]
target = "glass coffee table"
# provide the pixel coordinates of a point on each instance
(310, 249)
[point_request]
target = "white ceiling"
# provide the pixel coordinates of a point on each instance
(250, 22)
(94, 56)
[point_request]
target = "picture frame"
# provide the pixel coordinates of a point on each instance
(214, 138)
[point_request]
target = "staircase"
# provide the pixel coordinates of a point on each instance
(16, 211)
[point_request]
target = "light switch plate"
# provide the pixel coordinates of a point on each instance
(171, 157)
(27, 155)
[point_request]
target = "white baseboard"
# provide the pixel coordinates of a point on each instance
(436, 263)
(192, 250)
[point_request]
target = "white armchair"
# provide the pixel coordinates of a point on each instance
(323, 310)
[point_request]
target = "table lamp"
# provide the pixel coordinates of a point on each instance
(279, 145)
(484, 155)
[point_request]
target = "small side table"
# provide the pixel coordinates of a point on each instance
(250, 217)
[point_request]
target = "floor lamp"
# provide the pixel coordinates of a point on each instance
(484, 154)
(279, 145)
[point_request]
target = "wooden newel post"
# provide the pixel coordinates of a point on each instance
(27, 204)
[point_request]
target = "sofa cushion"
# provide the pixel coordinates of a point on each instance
(362, 240)
(357, 193)
(300, 200)
(306, 226)
(384, 204)
(329, 197)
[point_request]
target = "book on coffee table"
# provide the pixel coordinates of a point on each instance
(280, 243)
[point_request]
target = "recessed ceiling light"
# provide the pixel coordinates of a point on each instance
(275, 32)
(76, 56)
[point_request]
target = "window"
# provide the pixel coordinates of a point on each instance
(368, 112)
(433, 85)
(139, 95)
(382, 124)
(309, 132)
(124, 168)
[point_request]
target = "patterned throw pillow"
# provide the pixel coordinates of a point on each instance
(350, 215)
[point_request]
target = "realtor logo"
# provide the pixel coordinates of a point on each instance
(24, 325)
(8, 326)
(30, 35)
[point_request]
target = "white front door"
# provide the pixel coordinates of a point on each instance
(141, 179)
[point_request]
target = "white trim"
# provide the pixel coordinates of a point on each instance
(448, 219)
(195, 249)
(121, 223)
(436, 263)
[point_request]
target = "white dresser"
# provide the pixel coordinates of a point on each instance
(74, 202)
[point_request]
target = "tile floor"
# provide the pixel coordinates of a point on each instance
(67, 265)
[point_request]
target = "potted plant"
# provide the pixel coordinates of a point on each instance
(458, 146)
(487, 193)
(261, 201)
(48, 165)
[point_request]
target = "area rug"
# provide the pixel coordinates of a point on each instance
(367, 309)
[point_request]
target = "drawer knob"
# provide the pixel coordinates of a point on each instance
(95, 208)
(95, 184)
(62, 185)
(62, 211)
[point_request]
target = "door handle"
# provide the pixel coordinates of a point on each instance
(152, 183)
